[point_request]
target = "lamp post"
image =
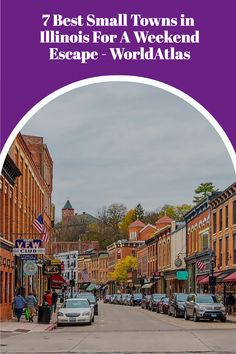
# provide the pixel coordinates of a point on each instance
(212, 278)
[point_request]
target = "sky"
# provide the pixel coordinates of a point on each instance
(129, 143)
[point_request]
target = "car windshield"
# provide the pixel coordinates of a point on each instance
(69, 304)
(181, 297)
(158, 296)
(138, 296)
(206, 299)
(165, 300)
(89, 297)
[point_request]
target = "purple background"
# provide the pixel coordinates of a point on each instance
(28, 75)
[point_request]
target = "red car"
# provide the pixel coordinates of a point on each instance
(163, 305)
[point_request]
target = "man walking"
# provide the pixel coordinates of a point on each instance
(31, 303)
(19, 304)
(54, 300)
(230, 301)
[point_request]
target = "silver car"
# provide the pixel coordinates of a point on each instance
(75, 311)
(205, 306)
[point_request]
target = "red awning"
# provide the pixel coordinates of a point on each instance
(57, 281)
(201, 277)
(231, 277)
(205, 280)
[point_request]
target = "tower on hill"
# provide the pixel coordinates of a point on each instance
(68, 212)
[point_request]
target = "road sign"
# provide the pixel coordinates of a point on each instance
(30, 268)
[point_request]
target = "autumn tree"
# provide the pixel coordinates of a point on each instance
(123, 267)
(129, 217)
(203, 190)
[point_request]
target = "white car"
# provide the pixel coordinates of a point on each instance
(75, 311)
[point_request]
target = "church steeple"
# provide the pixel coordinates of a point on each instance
(67, 212)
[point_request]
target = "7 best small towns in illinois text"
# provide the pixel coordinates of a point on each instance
(195, 254)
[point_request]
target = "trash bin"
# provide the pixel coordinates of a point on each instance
(44, 314)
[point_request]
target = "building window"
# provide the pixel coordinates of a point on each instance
(221, 220)
(226, 216)
(204, 239)
(214, 247)
(1, 286)
(234, 212)
(6, 286)
(226, 250)
(220, 252)
(214, 223)
(234, 255)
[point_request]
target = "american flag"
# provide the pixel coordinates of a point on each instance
(85, 275)
(201, 265)
(41, 228)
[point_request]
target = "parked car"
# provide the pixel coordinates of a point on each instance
(145, 302)
(117, 299)
(106, 299)
(122, 299)
(113, 296)
(155, 298)
(75, 311)
(177, 304)
(163, 305)
(91, 299)
(136, 299)
(127, 300)
(205, 306)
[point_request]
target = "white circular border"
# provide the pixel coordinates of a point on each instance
(118, 78)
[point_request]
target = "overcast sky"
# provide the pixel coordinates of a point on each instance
(128, 143)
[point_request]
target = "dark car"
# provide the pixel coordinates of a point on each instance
(177, 304)
(91, 299)
(106, 299)
(117, 299)
(145, 302)
(155, 298)
(163, 305)
(136, 299)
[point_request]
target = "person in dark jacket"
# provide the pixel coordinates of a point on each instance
(54, 300)
(230, 301)
(19, 304)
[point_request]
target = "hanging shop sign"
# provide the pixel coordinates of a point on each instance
(178, 262)
(30, 268)
(51, 269)
(28, 247)
(182, 275)
(28, 257)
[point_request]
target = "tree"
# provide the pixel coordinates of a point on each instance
(115, 214)
(203, 190)
(139, 212)
(123, 267)
(129, 217)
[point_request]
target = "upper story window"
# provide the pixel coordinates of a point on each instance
(133, 235)
(226, 216)
(234, 212)
(220, 220)
(214, 223)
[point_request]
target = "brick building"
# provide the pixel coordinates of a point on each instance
(30, 165)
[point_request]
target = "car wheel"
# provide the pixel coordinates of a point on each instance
(186, 316)
(195, 318)
(89, 323)
(211, 319)
(157, 310)
(58, 324)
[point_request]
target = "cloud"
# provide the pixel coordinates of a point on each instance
(130, 143)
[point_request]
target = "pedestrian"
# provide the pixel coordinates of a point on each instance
(54, 300)
(31, 303)
(19, 304)
(48, 299)
(229, 302)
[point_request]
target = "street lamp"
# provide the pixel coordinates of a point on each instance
(212, 278)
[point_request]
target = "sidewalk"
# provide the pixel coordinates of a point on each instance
(25, 326)
(231, 318)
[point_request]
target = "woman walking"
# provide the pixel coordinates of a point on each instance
(19, 304)
(31, 303)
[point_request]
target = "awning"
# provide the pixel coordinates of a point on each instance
(147, 286)
(205, 280)
(230, 278)
(91, 287)
(201, 277)
(57, 281)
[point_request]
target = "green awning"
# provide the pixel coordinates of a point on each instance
(91, 287)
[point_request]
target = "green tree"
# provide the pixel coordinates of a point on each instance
(139, 212)
(129, 217)
(203, 190)
(123, 267)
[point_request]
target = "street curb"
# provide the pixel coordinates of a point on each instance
(51, 327)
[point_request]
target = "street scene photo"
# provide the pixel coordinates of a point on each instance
(117, 227)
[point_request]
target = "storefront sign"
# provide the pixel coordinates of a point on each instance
(28, 243)
(51, 269)
(30, 268)
(28, 257)
(17, 251)
(182, 275)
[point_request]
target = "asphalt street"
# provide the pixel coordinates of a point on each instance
(124, 329)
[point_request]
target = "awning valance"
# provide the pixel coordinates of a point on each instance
(230, 278)
(57, 281)
(205, 280)
(147, 286)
